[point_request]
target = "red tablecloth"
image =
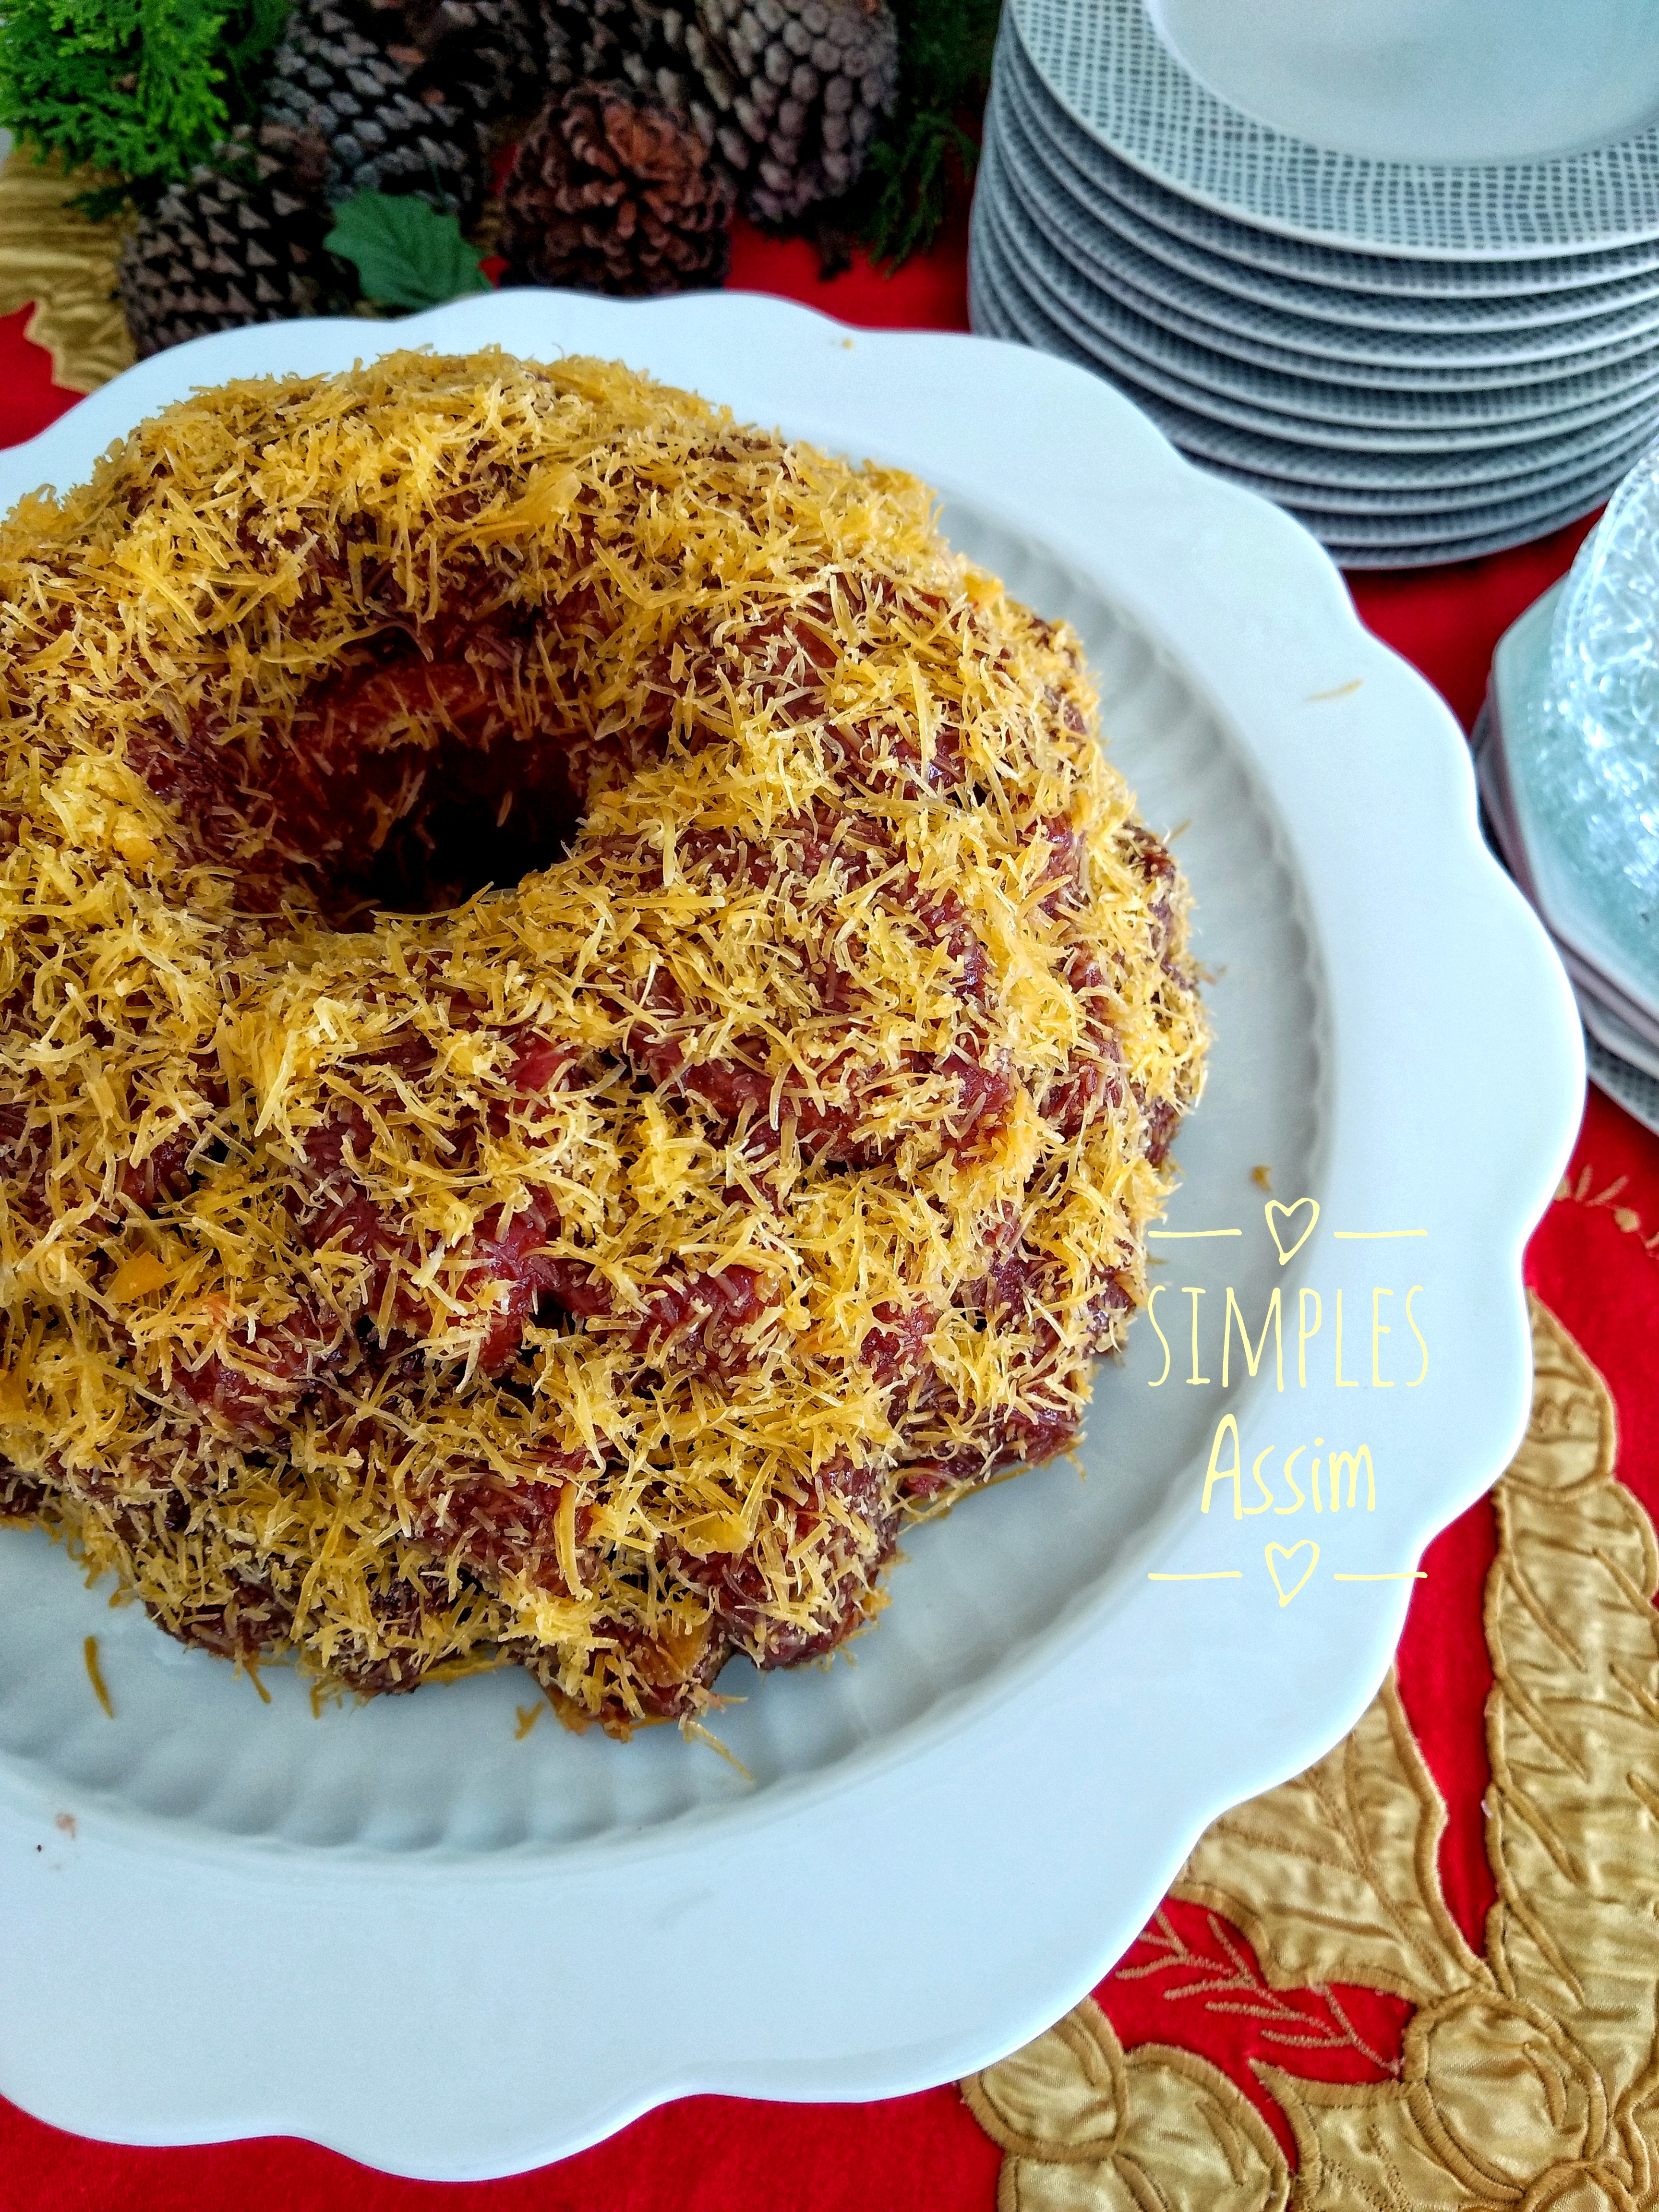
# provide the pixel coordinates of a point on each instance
(1595, 1259)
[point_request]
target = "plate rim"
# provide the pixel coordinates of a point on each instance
(1287, 664)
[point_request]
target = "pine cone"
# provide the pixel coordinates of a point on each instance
(586, 39)
(799, 87)
(489, 57)
(611, 191)
(377, 105)
(642, 40)
(241, 242)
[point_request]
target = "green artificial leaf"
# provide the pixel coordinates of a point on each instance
(406, 253)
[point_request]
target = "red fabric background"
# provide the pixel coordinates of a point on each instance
(1595, 1259)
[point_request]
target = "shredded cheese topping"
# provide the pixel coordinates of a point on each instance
(591, 1273)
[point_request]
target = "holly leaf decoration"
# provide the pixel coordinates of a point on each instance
(406, 253)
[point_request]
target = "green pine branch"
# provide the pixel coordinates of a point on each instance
(926, 147)
(140, 89)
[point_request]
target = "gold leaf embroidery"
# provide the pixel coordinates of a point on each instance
(1332, 1876)
(1527, 2081)
(1229, 1980)
(51, 257)
(1572, 1729)
(1087, 2130)
(1358, 2149)
(1062, 2098)
(1493, 2099)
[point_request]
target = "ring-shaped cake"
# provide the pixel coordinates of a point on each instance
(587, 1030)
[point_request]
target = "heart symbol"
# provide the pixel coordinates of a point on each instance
(1294, 1551)
(1286, 1213)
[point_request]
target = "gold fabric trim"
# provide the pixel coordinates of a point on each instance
(52, 257)
(1529, 2077)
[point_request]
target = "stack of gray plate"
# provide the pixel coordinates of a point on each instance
(1406, 287)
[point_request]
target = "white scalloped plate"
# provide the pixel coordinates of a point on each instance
(402, 1932)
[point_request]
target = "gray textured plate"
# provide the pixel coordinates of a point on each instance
(1576, 476)
(1440, 555)
(1417, 526)
(1104, 60)
(1320, 263)
(1454, 402)
(1383, 345)
(1516, 521)
(1636, 1092)
(1486, 451)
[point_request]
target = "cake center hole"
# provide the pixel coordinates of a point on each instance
(478, 817)
(411, 788)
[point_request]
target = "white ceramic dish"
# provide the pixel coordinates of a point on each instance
(1370, 254)
(399, 1931)
(1107, 64)
(1451, 82)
